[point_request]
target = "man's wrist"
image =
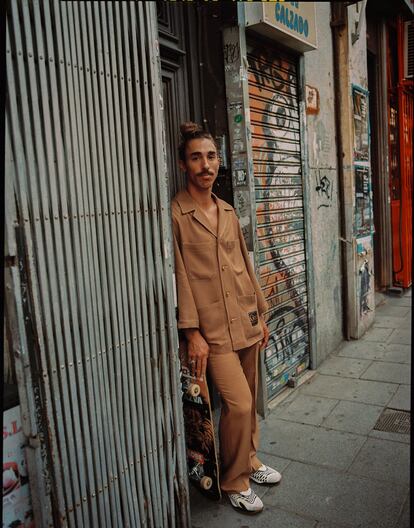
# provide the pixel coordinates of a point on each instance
(190, 332)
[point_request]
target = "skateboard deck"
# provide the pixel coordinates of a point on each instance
(202, 460)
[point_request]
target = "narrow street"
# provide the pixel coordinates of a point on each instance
(339, 470)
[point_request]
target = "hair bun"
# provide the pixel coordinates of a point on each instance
(189, 128)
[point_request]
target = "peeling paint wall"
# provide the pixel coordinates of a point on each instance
(323, 197)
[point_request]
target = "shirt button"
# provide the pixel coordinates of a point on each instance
(227, 294)
(223, 267)
(234, 318)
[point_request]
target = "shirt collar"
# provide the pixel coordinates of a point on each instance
(188, 204)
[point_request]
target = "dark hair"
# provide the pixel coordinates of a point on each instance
(189, 131)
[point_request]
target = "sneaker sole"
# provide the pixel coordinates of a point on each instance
(240, 509)
(243, 510)
(265, 483)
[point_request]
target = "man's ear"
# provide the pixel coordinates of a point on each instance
(182, 165)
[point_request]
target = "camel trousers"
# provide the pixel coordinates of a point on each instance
(235, 375)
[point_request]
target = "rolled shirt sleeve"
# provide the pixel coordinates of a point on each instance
(262, 305)
(187, 310)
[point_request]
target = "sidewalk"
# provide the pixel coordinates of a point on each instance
(338, 470)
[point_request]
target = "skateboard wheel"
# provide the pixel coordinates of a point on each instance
(206, 483)
(193, 390)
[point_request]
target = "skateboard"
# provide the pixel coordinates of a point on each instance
(202, 460)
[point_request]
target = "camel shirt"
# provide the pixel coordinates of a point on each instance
(217, 289)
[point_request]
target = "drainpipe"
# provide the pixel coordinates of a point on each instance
(339, 23)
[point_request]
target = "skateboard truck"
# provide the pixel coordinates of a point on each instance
(197, 471)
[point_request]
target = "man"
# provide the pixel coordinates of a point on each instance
(220, 311)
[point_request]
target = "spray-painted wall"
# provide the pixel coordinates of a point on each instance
(323, 196)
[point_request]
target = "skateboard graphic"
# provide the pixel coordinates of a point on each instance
(202, 463)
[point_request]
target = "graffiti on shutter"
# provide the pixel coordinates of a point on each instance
(275, 132)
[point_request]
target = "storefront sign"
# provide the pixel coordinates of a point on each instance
(292, 23)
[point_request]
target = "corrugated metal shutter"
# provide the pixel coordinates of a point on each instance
(89, 222)
(274, 114)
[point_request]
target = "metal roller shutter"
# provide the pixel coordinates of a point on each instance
(274, 114)
(87, 218)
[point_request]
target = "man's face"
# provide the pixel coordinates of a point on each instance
(201, 163)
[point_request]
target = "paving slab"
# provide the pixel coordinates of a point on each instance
(387, 321)
(406, 322)
(400, 336)
(397, 354)
(343, 366)
(289, 398)
(324, 524)
(364, 391)
(376, 334)
(392, 437)
(306, 409)
(388, 372)
(394, 311)
(401, 301)
(335, 497)
(383, 460)
(308, 443)
(362, 350)
(404, 520)
(353, 417)
(401, 399)
(225, 515)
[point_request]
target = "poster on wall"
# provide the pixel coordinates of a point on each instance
(361, 124)
(17, 509)
(363, 202)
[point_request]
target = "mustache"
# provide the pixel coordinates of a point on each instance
(206, 173)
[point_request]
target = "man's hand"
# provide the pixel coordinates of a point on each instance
(197, 351)
(265, 339)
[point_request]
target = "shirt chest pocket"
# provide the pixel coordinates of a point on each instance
(200, 260)
(235, 257)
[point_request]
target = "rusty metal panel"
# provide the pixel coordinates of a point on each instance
(275, 126)
(94, 331)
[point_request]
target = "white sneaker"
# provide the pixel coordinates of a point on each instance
(247, 501)
(266, 475)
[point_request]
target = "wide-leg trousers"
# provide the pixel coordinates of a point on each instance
(235, 375)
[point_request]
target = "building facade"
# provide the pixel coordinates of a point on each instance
(312, 107)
